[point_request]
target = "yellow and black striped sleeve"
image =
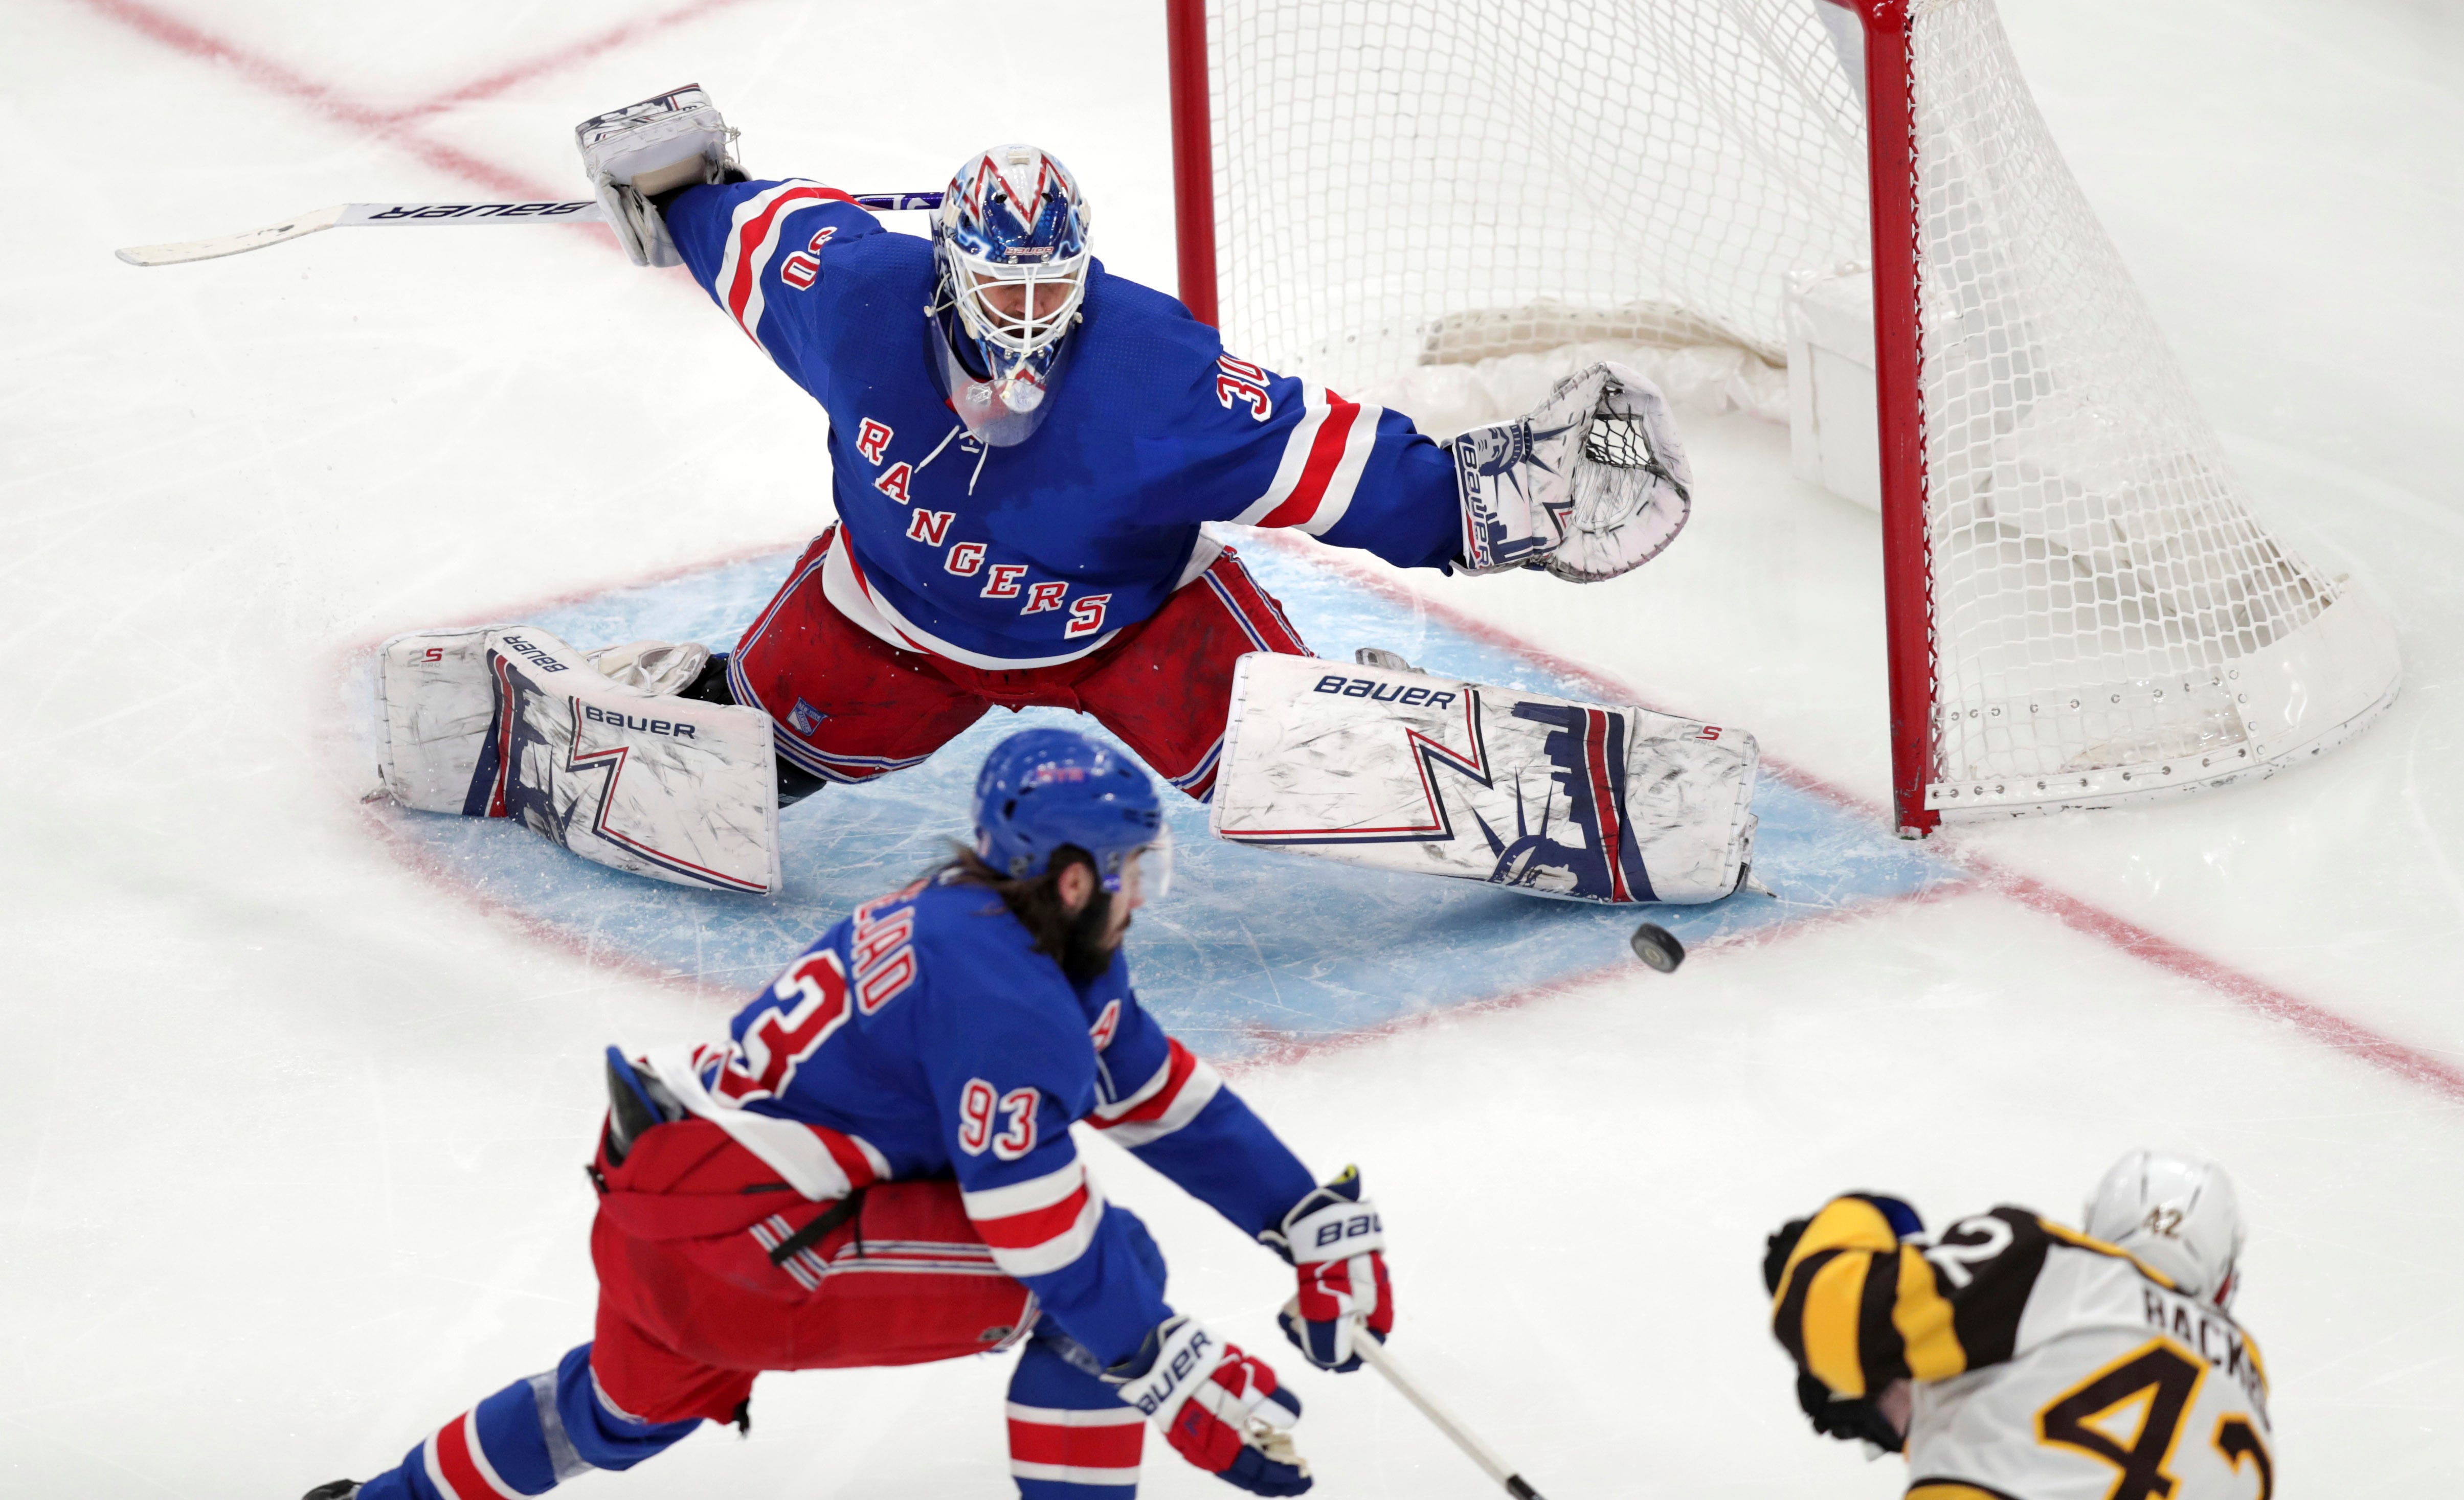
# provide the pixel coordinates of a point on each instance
(1857, 1309)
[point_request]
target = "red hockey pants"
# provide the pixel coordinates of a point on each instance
(692, 1305)
(848, 707)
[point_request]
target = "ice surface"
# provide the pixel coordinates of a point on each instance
(288, 1167)
(1257, 950)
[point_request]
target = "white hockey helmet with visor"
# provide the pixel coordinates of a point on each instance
(1009, 251)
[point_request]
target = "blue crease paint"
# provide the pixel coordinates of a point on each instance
(1254, 948)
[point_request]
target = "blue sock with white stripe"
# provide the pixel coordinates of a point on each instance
(525, 1440)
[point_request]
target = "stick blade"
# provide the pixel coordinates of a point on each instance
(185, 251)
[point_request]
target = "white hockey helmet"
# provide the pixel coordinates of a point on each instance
(2179, 1215)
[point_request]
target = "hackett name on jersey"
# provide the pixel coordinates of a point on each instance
(2213, 1339)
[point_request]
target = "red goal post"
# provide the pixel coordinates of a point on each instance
(2082, 611)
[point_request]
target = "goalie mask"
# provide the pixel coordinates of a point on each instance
(1009, 257)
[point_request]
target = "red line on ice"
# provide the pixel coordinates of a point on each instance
(2314, 1021)
(275, 78)
(566, 56)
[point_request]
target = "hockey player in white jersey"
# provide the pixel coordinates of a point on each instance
(2014, 1359)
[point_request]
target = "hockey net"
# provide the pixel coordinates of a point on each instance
(1447, 203)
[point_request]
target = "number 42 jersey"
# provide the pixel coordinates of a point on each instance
(2046, 1365)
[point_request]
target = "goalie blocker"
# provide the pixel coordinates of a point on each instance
(1400, 771)
(590, 751)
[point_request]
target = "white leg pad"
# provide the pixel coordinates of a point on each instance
(434, 704)
(1400, 771)
(672, 787)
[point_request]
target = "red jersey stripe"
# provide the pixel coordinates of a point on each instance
(849, 1157)
(1325, 455)
(1037, 1226)
(756, 231)
(1181, 1063)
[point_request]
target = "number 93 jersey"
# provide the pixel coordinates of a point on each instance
(2046, 1365)
(925, 1036)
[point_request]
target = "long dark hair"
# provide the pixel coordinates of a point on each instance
(1072, 942)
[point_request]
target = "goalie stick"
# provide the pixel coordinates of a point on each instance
(401, 215)
(1445, 1420)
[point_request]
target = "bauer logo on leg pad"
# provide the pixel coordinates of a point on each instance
(685, 793)
(635, 721)
(536, 655)
(1402, 772)
(1378, 691)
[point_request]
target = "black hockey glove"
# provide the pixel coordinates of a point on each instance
(636, 1102)
(1849, 1420)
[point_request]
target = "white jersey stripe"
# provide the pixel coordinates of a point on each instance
(757, 227)
(479, 1458)
(1197, 1092)
(436, 1471)
(1036, 1192)
(1071, 1474)
(1358, 445)
(1051, 1254)
(1145, 1092)
(789, 1149)
(1071, 1417)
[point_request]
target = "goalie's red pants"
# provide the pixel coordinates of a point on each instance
(692, 1307)
(848, 707)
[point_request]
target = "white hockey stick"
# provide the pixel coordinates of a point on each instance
(1376, 1354)
(408, 215)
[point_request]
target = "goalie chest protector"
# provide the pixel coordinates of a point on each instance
(1400, 771)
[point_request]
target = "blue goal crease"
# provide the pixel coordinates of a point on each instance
(1255, 948)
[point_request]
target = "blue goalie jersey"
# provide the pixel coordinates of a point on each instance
(930, 1038)
(1038, 553)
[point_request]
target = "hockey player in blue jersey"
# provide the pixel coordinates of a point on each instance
(877, 1169)
(1023, 449)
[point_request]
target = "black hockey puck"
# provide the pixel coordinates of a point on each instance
(1659, 947)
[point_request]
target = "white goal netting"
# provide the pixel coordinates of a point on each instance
(1445, 203)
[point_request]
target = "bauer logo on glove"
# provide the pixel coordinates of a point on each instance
(1338, 1244)
(1220, 1408)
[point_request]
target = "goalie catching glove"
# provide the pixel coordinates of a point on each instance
(633, 155)
(1591, 484)
(1221, 1408)
(1335, 1240)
